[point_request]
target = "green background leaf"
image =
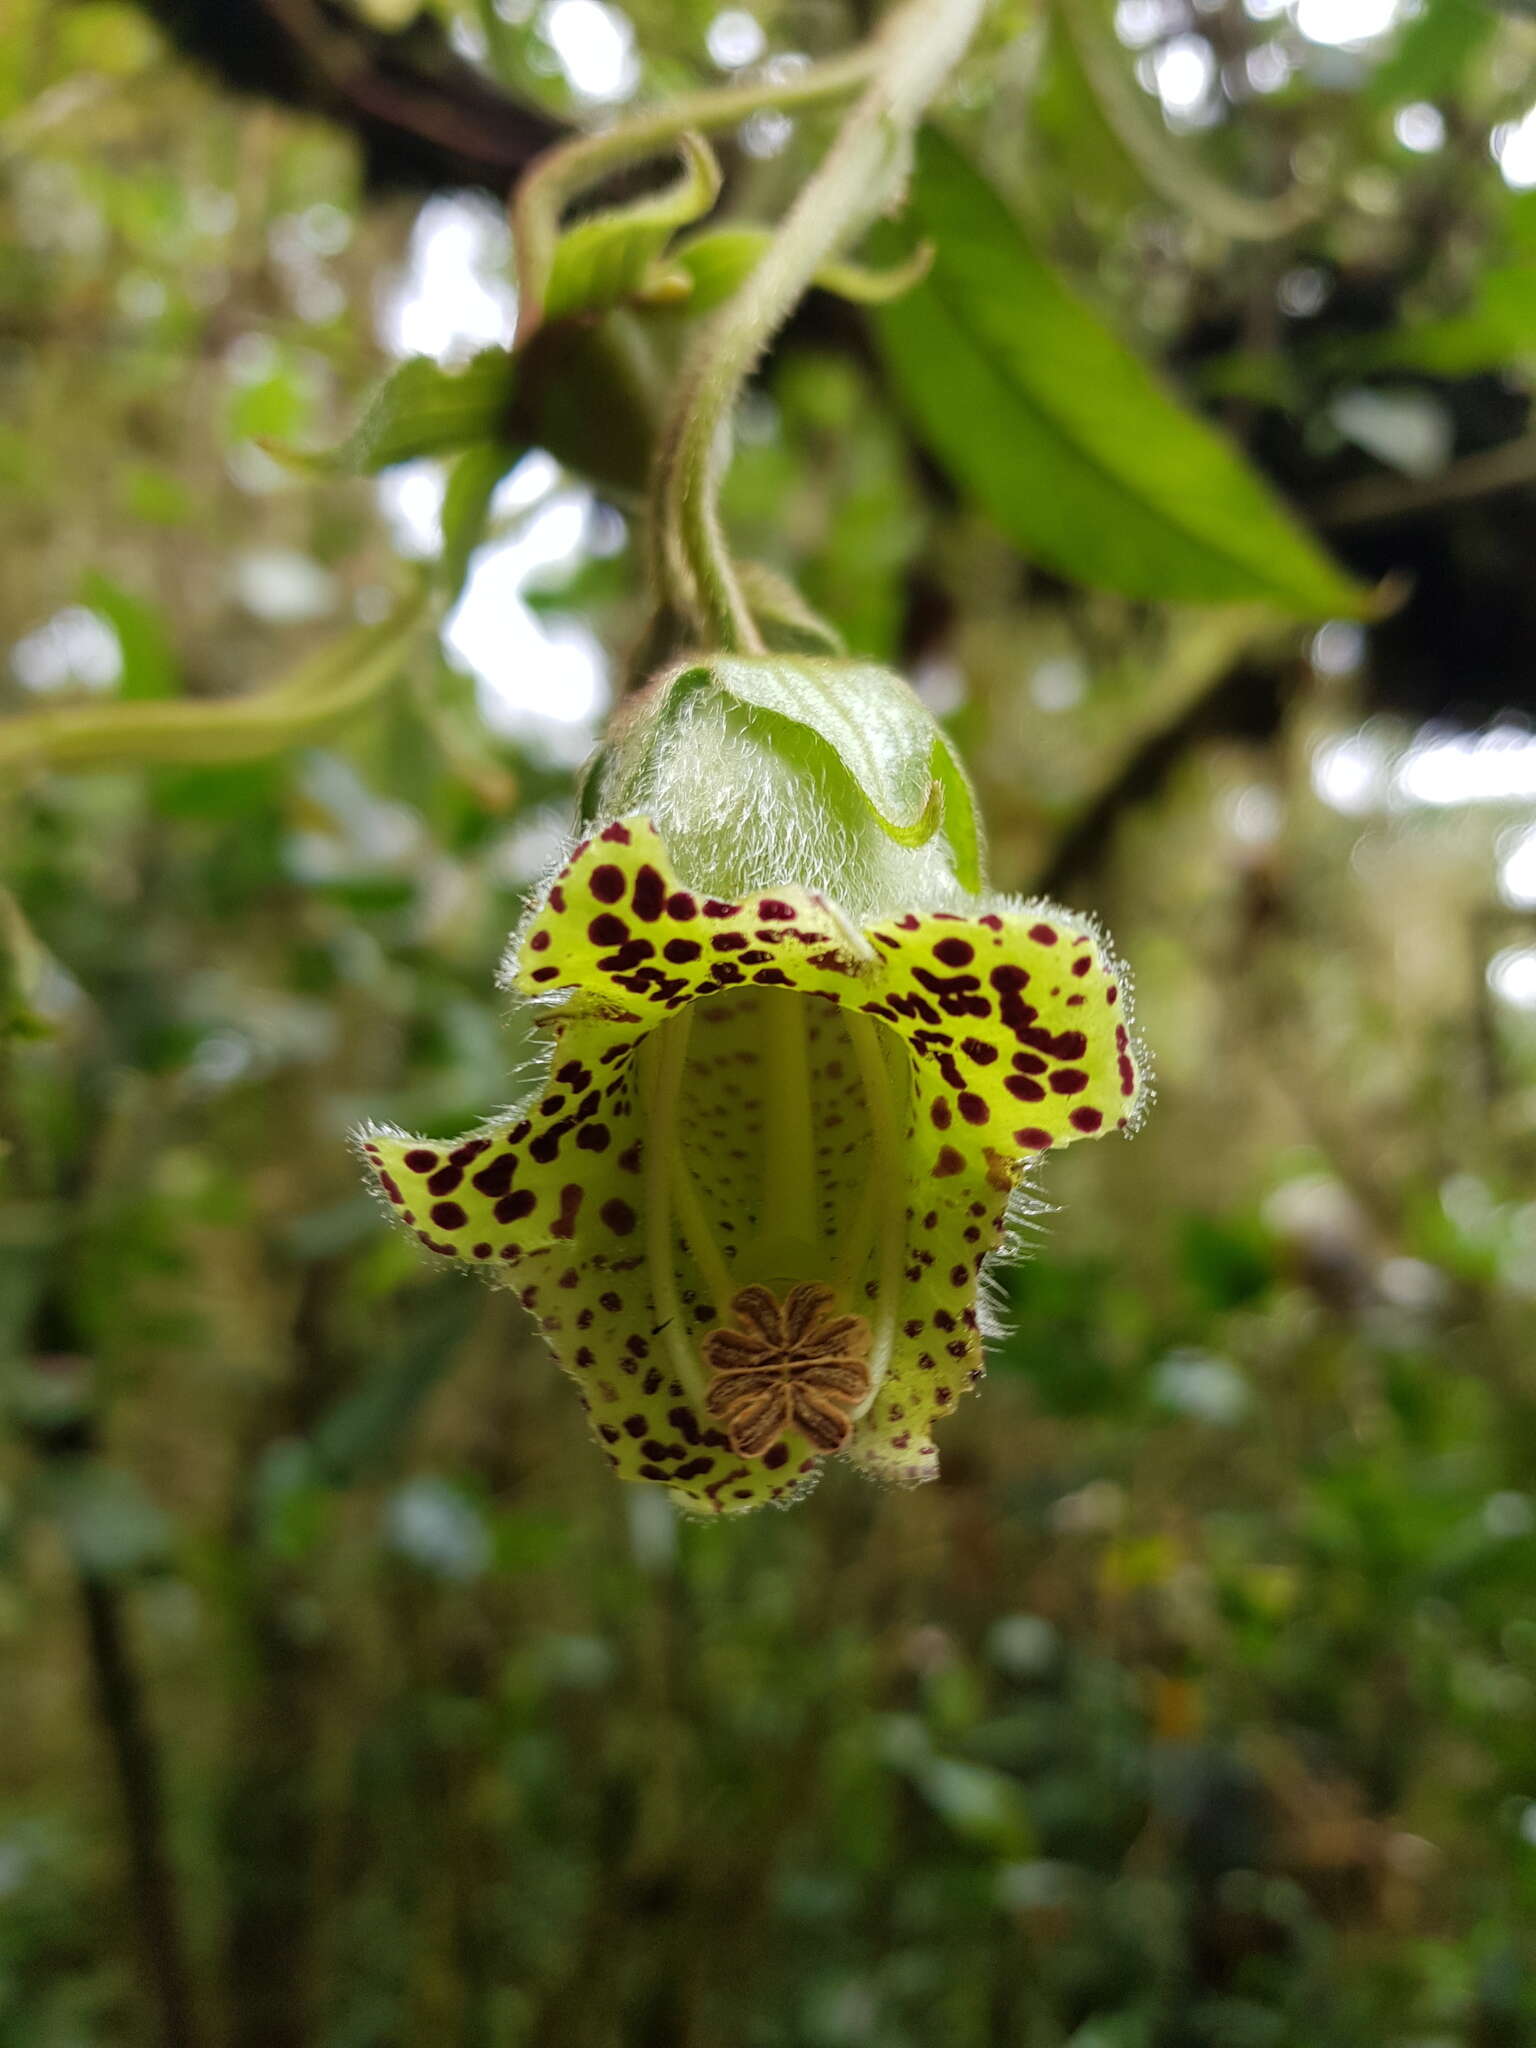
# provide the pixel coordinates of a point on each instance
(1067, 439)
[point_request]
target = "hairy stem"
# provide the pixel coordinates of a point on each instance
(908, 61)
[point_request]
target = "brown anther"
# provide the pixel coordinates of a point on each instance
(790, 1365)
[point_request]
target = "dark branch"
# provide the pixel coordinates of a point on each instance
(424, 117)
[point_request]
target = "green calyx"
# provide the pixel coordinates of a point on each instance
(762, 765)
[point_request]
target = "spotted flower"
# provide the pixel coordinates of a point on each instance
(751, 1203)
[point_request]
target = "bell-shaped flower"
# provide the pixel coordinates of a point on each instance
(751, 1203)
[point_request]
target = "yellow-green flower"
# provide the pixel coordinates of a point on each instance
(751, 1203)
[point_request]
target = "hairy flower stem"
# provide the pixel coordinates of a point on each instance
(910, 58)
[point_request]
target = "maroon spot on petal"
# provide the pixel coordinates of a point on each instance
(650, 895)
(616, 834)
(681, 951)
(445, 1180)
(539, 942)
(954, 952)
(618, 1216)
(715, 908)
(1087, 1120)
(1127, 1076)
(593, 1138)
(420, 1160)
(776, 1456)
(974, 1109)
(629, 1158)
(611, 1301)
(949, 1161)
(607, 884)
(1043, 934)
(511, 1207)
(1025, 1090)
(482, 1251)
(564, 1224)
(1069, 1081)
(511, 1251)
(496, 1179)
(977, 1049)
(1029, 1063)
(1112, 994)
(682, 906)
(1082, 964)
(391, 1187)
(1033, 1140)
(959, 1276)
(607, 930)
(557, 896)
(772, 911)
(544, 973)
(448, 1216)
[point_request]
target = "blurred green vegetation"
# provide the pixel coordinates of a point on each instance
(346, 1702)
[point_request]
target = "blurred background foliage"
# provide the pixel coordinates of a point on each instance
(346, 1702)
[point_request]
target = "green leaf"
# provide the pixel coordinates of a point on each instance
(1068, 440)
(466, 505)
(321, 690)
(787, 622)
(1430, 54)
(149, 664)
(603, 260)
(424, 408)
(884, 736)
(717, 263)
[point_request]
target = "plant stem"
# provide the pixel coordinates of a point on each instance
(908, 61)
(136, 1762)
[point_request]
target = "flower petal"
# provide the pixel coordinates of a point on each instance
(619, 931)
(1017, 1020)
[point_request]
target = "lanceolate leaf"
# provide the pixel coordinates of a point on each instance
(1065, 437)
(883, 735)
(425, 408)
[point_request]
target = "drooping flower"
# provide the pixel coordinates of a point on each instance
(751, 1203)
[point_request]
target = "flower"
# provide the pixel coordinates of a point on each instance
(756, 1110)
